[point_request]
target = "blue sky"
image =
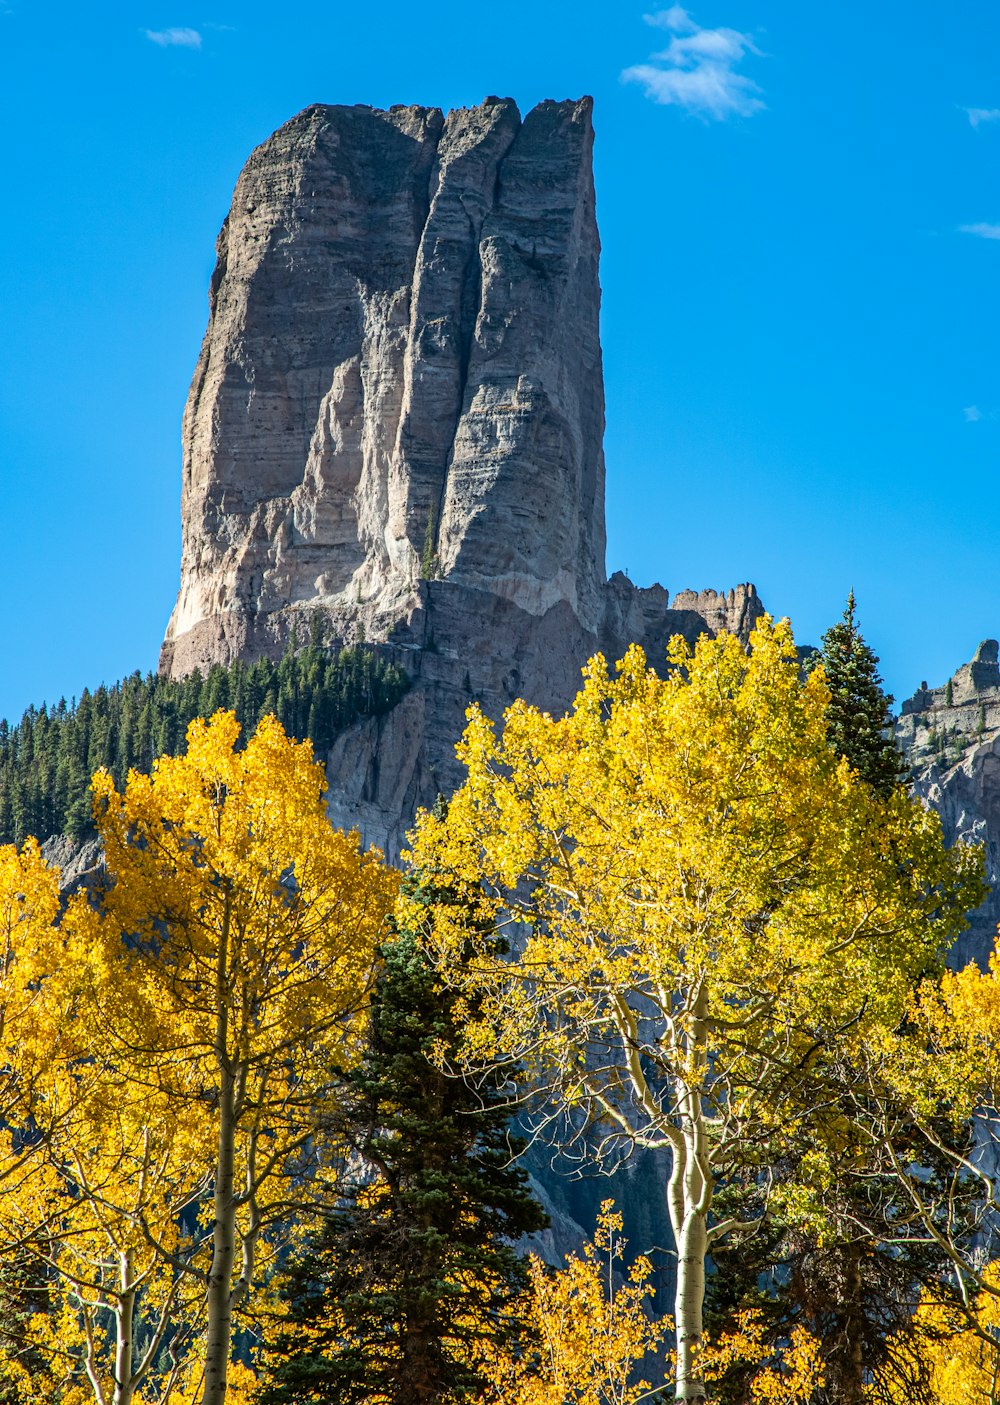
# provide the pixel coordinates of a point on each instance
(800, 213)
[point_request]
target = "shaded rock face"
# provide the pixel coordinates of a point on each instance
(395, 431)
(951, 736)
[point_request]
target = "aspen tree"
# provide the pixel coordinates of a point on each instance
(708, 898)
(95, 1170)
(168, 1045)
(252, 929)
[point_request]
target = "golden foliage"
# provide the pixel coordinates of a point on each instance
(209, 999)
(699, 827)
(594, 1331)
(958, 1354)
(789, 1380)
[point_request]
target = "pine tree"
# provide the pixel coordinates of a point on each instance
(858, 1288)
(47, 760)
(428, 559)
(859, 718)
(417, 1265)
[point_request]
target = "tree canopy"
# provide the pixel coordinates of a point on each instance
(710, 899)
(218, 988)
(48, 758)
(858, 711)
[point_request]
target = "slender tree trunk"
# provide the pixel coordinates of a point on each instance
(125, 1332)
(219, 1317)
(692, 1249)
(219, 1307)
(689, 1199)
(854, 1365)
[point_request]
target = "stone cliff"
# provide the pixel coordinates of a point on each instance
(951, 736)
(395, 430)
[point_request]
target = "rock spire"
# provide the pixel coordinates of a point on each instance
(395, 430)
(401, 376)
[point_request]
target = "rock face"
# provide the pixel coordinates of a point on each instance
(951, 736)
(401, 375)
(395, 429)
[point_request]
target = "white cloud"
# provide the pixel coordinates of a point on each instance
(978, 115)
(175, 38)
(676, 19)
(697, 70)
(981, 231)
(973, 414)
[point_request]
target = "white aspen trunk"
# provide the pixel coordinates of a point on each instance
(692, 1248)
(219, 1315)
(219, 1305)
(690, 1198)
(125, 1333)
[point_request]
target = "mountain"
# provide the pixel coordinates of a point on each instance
(395, 431)
(951, 736)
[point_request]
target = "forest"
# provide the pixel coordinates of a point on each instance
(48, 758)
(265, 1097)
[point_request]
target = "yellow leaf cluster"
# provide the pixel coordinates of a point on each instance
(594, 1330)
(792, 1379)
(959, 1354)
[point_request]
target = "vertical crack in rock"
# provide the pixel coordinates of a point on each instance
(472, 145)
(524, 510)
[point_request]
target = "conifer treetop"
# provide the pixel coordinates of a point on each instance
(859, 718)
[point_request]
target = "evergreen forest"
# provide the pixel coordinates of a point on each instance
(48, 758)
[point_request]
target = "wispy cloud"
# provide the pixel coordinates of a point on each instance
(979, 115)
(973, 414)
(174, 38)
(698, 69)
(981, 231)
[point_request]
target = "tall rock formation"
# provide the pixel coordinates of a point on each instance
(395, 429)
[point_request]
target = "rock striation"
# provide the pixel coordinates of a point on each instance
(395, 430)
(401, 376)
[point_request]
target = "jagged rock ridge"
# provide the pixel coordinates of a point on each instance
(395, 429)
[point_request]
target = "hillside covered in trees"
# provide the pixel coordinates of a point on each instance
(48, 758)
(262, 1095)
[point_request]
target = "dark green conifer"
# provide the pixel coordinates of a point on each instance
(47, 760)
(417, 1265)
(428, 559)
(858, 713)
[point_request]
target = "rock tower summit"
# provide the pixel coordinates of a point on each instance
(396, 425)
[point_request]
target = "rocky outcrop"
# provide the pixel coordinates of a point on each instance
(401, 376)
(951, 736)
(395, 430)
